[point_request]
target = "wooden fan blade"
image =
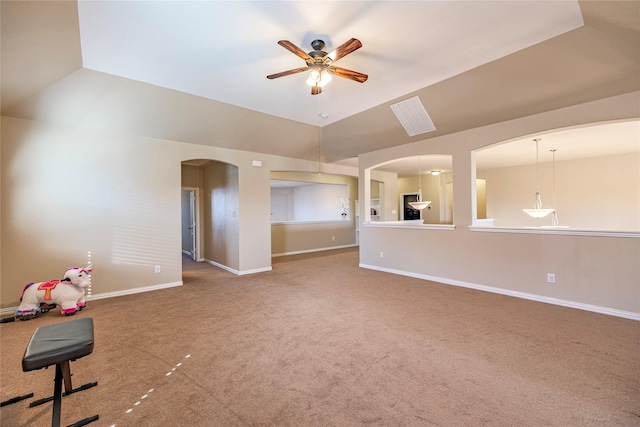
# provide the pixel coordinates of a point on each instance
(287, 73)
(295, 49)
(316, 90)
(344, 49)
(348, 74)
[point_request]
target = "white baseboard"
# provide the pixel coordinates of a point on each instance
(104, 295)
(94, 297)
(540, 298)
(313, 250)
(238, 272)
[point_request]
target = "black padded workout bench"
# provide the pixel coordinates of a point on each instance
(59, 344)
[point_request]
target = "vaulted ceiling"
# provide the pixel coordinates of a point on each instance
(195, 71)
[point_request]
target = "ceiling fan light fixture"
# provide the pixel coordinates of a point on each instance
(325, 78)
(314, 77)
(318, 77)
(320, 64)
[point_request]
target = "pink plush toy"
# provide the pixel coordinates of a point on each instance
(68, 293)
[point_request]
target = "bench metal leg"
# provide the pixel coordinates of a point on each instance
(63, 375)
(50, 398)
(57, 397)
(16, 399)
(59, 344)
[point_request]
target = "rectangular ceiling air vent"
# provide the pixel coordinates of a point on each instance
(413, 116)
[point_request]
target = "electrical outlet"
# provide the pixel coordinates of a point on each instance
(333, 238)
(157, 269)
(381, 254)
(551, 278)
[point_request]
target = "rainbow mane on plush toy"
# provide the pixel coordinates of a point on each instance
(69, 293)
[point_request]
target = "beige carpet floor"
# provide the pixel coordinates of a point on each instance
(321, 342)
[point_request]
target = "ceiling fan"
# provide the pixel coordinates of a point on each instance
(320, 63)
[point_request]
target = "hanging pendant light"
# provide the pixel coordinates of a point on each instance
(537, 212)
(419, 204)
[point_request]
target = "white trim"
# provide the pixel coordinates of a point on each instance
(198, 233)
(255, 270)
(403, 224)
(237, 272)
(132, 291)
(561, 230)
(549, 300)
(346, 220)
(95, 297)
(306, 251)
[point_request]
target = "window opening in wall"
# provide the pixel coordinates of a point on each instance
(435, 179)
(596, 178)
(310, 197)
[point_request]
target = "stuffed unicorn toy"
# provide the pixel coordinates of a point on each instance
(43, 296)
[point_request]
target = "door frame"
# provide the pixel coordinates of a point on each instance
(403, 201)
(198, 228)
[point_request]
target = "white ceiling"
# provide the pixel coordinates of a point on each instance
(471, 63)
(581, 142)
(223, 50)
(591, 141)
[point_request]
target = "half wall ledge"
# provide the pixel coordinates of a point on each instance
(557, 231)
(407, 224)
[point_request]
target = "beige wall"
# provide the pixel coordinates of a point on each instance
(191, 176)
(382, 186)
(591, 271)
(221, 219)
(308, 237)
(304, 237)
(376, 189)
(481, 198)
(68, 190)
(593, 193)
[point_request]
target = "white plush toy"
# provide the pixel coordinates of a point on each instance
(68, 293)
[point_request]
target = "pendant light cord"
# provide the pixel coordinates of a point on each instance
(537, 212)
(537, 167)
(553, 176)
(419, 197)
(538, 202)
(554, 216)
